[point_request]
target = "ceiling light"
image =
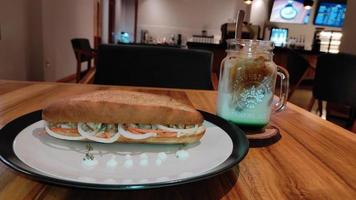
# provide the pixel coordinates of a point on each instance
(248, 2)
(308, 4)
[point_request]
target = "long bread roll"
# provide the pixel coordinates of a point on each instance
(123, 116)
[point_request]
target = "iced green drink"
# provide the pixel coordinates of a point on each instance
(246, 91)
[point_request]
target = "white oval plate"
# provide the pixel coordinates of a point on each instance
(120, 166)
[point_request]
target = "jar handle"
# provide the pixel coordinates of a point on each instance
(283, 89)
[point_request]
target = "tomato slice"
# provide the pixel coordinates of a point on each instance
(161, 133)
(104, 135)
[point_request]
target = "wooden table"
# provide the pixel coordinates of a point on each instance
(314, 159)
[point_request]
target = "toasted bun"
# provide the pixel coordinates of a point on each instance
(120, 106)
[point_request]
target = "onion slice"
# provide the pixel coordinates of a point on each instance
(134, 136)
(89, 135)
(63, 137)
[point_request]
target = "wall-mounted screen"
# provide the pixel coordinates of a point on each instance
(289, 11)
(330, 14)
(279, 36)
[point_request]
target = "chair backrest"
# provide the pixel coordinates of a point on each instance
(154, 66)
(82, 44)
(335, 79)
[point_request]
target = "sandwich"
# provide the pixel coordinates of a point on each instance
(109, 116)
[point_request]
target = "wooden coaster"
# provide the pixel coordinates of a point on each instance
(265, 138)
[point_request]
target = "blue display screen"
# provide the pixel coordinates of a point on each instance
(330, 14)
(279, 36)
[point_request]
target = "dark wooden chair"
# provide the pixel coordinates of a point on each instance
(335, 83)
(83, 53)
(153, 66)
(298, 67)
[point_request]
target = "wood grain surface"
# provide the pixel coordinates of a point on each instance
(314, 159)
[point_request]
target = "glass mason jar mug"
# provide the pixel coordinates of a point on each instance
(247, 82)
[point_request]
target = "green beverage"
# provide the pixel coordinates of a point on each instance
(246, 85)
(253, 116)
